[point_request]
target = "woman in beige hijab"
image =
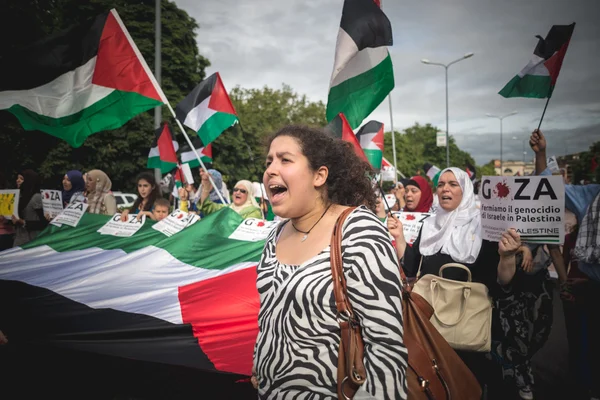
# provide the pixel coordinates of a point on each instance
(99, 196)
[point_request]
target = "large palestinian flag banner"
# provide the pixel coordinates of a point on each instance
(207, 109)
(362, 71)
(186, 300)
(539, 76)
(370, 137)
(78, 82)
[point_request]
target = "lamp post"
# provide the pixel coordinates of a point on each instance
(501, 118)
(446, 66)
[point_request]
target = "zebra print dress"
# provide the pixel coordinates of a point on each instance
(296, 352)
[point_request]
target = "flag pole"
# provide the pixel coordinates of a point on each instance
(543, 113)
(187, 138)
(393, 140)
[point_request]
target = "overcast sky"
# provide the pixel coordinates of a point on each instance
(254, 43)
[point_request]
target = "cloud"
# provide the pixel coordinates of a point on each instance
(254, 43)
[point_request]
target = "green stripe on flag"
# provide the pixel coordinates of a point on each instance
(375, 157)
(357, 97)
(195, 245)
(110, 112)
(532, 86)
(215, 125)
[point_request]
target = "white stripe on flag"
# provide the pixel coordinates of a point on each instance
(145, 281)
(66, 95)
(535, 67)
(362, 62)
(366, 141)
(198, 115)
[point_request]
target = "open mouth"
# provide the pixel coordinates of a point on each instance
(448, 198)
(277, 192)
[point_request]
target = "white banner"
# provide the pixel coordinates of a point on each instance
(52, 202)
(176, 222)
(390, 200)
(253, 230)
(70, 215)
(552, 165)
(411, 224)
(533, 205)
(440, 139)
(116, 227)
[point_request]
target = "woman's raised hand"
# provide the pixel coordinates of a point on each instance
(395, 226)
(509, 243)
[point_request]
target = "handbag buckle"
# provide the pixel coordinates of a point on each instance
(344, 316)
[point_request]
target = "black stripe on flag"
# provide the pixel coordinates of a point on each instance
(196, 141)
(39, 315)
(558, 36)
(366, 24)
(45, 60)
(370, 127)
(195, 97)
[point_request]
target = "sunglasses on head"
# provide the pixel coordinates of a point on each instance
(243, 191)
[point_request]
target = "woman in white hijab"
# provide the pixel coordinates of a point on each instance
(452, 235)
(243, 202)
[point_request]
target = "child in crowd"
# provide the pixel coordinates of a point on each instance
(159, 212)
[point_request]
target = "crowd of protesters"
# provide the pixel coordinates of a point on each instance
(310, 180)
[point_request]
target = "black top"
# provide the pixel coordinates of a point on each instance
(483, 270)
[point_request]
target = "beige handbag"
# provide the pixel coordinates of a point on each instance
(462, 311)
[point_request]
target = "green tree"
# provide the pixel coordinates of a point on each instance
(417, 145)
(122, 153)
(486, 170)
(584, 168)
(239, 151)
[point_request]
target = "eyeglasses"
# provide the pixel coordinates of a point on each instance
(243, 191)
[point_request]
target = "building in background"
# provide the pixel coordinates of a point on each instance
(514, 168)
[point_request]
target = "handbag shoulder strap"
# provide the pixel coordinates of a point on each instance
(337, 272)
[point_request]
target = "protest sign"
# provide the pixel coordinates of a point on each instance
(70, 215)
(52, 202)
(187, 173)
(176, 222)
(552, 165)
(9, 203)
(390, 200)
(253, 230)
(533, 205)
(411, 224)
(116, 227)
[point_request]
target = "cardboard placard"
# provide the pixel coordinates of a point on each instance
(176, 222)
(9, 203)
(253, 230)
(116, 227)
(71, 215)
(412, 222)
(533, 205)
(52, 202)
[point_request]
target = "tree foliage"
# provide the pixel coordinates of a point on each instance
(122, 153)
(416, 146)
(586, 168)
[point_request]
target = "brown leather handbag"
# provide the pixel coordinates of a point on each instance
(351, 369)
(435, 371)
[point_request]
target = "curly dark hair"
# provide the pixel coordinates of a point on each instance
(155, 194)
(349, 180)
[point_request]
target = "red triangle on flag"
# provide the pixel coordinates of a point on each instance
(165, 146)
(120, 65)
(219, 99)
(378, 138)
(207, 151)
(554, 63)
(349, 136)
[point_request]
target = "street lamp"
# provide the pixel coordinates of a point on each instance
(446, 66)
(501, 118)
(523, 141)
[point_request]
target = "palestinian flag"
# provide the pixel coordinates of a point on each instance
(471, 171)
(207, 109)
(340, 129)
(170, 300)
(538, 78)
(78, 82)
(370, 137)
(187, 154)
(385, 163)
(362, 72)
(163, 151)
